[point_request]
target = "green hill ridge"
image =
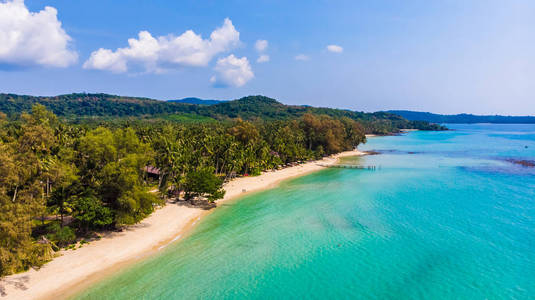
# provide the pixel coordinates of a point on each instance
(82, 107)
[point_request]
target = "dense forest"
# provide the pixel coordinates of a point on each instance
(83, 108)
(462, 118)
(78, 164)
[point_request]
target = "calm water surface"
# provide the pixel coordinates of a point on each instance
(445, 216)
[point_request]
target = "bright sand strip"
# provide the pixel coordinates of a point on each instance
(77, 269)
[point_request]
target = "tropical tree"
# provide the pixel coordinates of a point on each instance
(203, 183)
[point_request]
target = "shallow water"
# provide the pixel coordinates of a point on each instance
(444, 215)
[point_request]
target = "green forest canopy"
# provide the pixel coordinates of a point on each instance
(97, 107)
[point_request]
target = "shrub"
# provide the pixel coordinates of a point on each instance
(61, 236)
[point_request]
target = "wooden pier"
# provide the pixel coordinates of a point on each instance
(342, 166)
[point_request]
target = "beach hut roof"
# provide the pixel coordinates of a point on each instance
(152, 170)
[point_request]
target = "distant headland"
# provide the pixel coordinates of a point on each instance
(462, 118)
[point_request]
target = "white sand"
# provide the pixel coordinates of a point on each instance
(76, 269)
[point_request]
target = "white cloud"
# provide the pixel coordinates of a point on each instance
(302, 57)
(105, 59)
(232, 71)
(156, 55)
(261, 45)
(335, 49)
(263, 58)
(33, 38)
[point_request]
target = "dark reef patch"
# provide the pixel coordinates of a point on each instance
(522, 162)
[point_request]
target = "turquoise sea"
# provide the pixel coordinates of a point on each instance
(446, 215)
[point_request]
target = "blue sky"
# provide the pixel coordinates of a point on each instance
(440, 56)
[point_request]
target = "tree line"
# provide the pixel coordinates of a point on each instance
(84, 108)
(60, 181)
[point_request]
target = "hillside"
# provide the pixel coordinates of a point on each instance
(91, 105)
(462, 118)
(193, 100)
(87, 107)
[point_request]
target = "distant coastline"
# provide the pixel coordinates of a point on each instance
(462, 118)
(75, 270)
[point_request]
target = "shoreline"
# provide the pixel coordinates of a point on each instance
(401, 131)
(75, 270)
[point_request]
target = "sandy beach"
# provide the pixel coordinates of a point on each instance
(74, 270)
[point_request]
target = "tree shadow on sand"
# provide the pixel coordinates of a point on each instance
(18, 283)
(195, 203)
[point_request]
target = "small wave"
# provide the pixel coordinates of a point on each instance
(173, 240)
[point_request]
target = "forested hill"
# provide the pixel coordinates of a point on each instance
(90, 105)
(193, 100)
(462, 118)
(94, 106)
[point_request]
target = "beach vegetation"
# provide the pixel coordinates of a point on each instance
(203, 183)
(60, 235)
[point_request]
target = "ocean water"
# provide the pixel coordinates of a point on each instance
(445, 215)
